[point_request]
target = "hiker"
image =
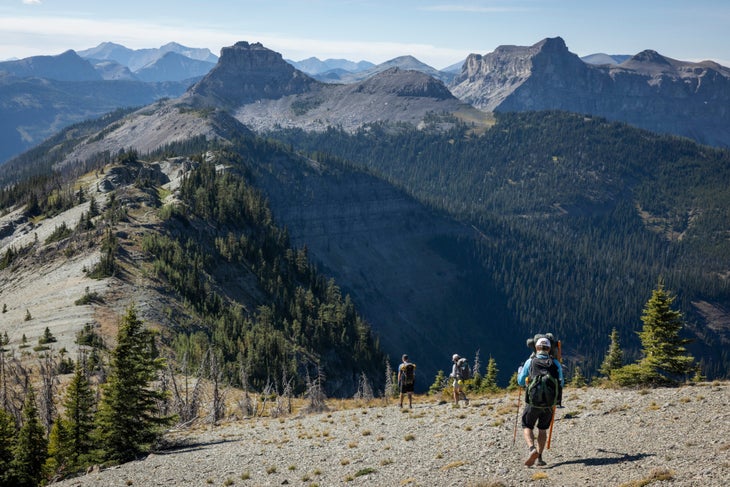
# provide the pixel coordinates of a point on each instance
(406, 380)
(459, 372)
(543, 376)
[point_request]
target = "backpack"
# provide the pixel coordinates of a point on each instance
(543, 388)
(463, 369)
(555, 351)
(409, 374)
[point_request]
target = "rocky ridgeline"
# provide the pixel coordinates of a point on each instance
(678, 437)
(648, 90)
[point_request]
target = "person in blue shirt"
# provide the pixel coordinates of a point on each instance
(540, 415)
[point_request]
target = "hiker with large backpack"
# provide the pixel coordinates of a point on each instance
(460, 372)
(542, 377)
(406, 380)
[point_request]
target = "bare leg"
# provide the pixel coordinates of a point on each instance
(541, 440)
(529, 437)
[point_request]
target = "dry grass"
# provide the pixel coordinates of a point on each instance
(451, 465)
(487, 483)
(657, 474)
(653, 406)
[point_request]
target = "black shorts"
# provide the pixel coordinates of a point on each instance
(406, 388)
(541, 416)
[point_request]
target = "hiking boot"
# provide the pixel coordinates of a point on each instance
(533, 456)
(540, 462)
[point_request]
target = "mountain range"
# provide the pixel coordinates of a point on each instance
(451, 229)
(646, 90)
(43, 94)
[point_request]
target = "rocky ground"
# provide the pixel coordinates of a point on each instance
(601, 437)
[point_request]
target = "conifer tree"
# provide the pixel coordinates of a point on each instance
(58, 449)
(79, 418)
(439, 383)
(513, 382)
(665, 355)
(7, 443)
(579, 379)
(490, 378)
(614, 356)
(31, 446)
(127, 421)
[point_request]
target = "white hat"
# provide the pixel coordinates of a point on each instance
(455, 357)
(542, 342)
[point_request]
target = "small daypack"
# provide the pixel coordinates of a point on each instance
(543, 387)
(409, 374)
(463, 369)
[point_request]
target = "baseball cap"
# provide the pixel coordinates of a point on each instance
(542, 342)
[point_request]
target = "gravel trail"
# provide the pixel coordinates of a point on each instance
(601, 438)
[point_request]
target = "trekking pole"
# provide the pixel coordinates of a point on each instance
(517, 415)
(550, 434)
(552, 420)
(519, 396)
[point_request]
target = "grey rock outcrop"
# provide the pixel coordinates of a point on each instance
(249, 72)
(263, 91)
(648, 90)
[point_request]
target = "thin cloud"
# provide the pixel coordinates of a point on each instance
(32, 2)
(76, 33)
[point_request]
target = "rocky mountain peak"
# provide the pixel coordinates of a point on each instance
(650, 56)
(402, 82)
(486, 81)
(647, 90)
(249, 72)
(552, 44)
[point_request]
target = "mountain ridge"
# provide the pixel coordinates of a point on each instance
(648, 90)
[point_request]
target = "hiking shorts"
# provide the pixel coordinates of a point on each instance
(406, 388)
(541, 416)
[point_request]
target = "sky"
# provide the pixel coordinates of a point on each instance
(439, 33)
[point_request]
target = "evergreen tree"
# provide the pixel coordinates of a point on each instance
(58, 449)
(439, 383)
(47, 337)
(513, 384)
(127, 421)
(579, 379)
(665, 355)
(29, 453)
(490, 378)
(614, 356)
(79, 419)
(7, 444)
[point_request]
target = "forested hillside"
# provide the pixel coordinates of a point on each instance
(579, 218)
(243, 291)
(222, 230)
